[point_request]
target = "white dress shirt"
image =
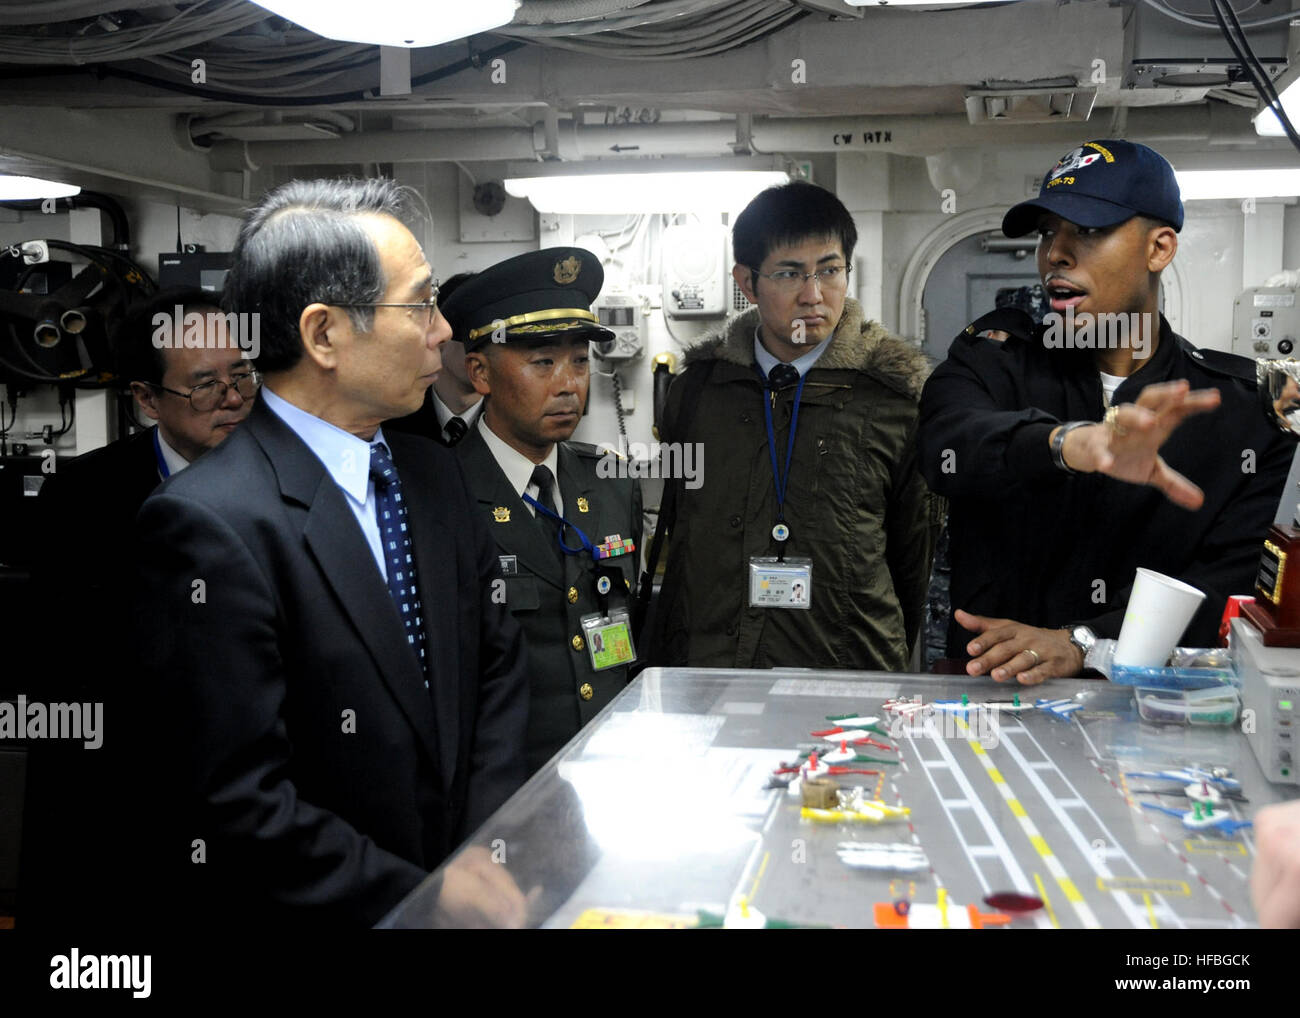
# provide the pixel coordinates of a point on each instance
(444, 413)
(174, 460)
(518, 468)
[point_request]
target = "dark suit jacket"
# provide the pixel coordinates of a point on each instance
(89, 506)
(84, 560)
(549, 598)
(323, 777)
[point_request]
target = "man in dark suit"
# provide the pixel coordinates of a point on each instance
(198, 393)
(527, 324)
(346, 700)
(452, 404)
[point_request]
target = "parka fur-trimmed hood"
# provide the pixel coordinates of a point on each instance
(857, 345)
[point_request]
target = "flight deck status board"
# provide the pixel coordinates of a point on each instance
(794, 798)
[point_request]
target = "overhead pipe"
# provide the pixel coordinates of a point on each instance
(110, 206)
(902, 135)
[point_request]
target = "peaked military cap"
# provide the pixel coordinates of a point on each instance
(539, 295)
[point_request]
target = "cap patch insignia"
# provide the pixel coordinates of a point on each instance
(1073, 161)
(566, 272)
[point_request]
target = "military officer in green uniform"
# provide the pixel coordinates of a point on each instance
(569, 538)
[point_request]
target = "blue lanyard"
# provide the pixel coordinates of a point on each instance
(559, 534)
(781, 482)
(163, 471)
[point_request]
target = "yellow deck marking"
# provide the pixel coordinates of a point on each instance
(1047, 902)
(1050, 860)
(1144, 885)
(1209, 846)
(753, 889)
(1071, 892)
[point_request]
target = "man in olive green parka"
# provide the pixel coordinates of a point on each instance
(834, 574)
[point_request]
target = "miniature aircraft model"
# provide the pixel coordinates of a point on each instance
(851, 720)
(1197, 792)
(817, 767)
(839, 733)
(904, 915)
(964, 704)
(871, 811)
(1219, 777)
(907, 708)
(741, 915)
(846, 755)
(1058, 708)
(872, 855)
(1200, 817)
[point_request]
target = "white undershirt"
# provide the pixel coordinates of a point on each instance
(1109, 383)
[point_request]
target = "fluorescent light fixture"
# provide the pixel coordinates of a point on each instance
(1197, 185)
(30, 188)
(609, 187)
(1266, 123)
(913, 3)
(394, 22)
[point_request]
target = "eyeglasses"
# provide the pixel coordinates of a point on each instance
(430, 306)
(207, 397)
(833, 277)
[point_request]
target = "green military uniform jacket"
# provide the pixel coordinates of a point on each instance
(549, 598)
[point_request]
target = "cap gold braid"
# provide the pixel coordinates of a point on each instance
(534, 316)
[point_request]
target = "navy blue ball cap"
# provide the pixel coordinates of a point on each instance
(543, 294)
(1103, 183)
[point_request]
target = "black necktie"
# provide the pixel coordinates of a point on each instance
(455, 430)
(543, 479)
(782, 375)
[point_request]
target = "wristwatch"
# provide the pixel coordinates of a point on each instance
(1083, 638)
(1058, 445)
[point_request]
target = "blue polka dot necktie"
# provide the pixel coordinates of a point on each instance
(399, 554)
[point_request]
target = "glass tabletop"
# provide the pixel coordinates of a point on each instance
(682, 804)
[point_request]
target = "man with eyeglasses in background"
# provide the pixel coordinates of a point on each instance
(806, 414)
(342, 700)
(197, 391)
(194, 379)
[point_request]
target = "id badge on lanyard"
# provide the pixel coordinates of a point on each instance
(609, 639)
(781, 581)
